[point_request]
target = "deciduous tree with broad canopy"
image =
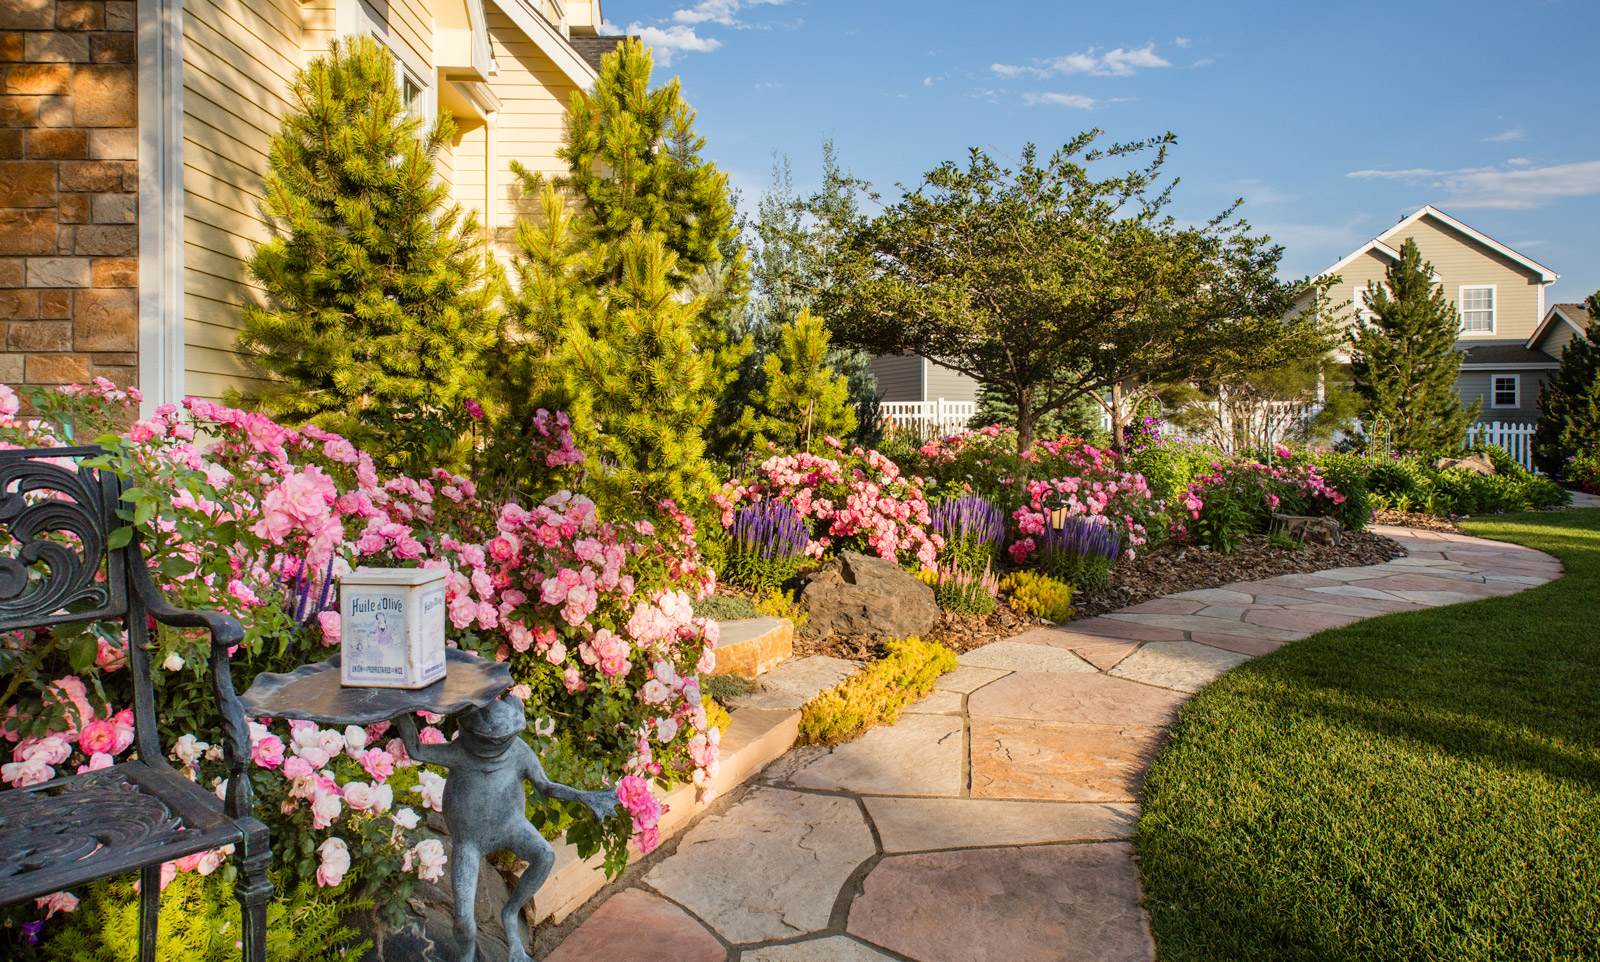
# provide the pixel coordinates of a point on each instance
(1047, 284)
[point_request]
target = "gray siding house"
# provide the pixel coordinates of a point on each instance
(911, 377)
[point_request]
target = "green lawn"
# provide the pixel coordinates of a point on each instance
(1417, 786)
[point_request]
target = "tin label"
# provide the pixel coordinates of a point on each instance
(374, 632)
(432, 654)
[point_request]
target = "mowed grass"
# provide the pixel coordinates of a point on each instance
(1416, 786)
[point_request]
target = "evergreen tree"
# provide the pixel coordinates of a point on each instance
(802, 400)
(379, 295)
(640, 389)
(1404, 360)
(1569, 403)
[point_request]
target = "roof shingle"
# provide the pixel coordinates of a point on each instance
(592, 49)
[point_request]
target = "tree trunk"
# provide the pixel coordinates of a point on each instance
(1119, 420)
(1025, 421)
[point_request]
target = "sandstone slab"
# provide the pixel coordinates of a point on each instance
(1103, 627)
(770, 867)
(1182, 665)
(835, 948)
(937, 703)
(1020, 656)
(927, 824)
(918, 755)
(1091, 699)
(637, 925)
(1230, 626)
(748, 647)
(793, 683)
(1060, 761)
(1062, 903)
(967, 678)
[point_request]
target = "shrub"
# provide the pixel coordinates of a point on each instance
(767, 544)
(725, 608)
(962, 591)
(973, 528)
(983, 460)
(1411, 484)
(1091, 482)
(1169, 466)
(1039, 595)
(1237, 497)
(1583, 469)
(778, 603)
(877, 694)
(856, 501)
(1081, 552)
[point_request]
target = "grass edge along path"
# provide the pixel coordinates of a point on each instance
(1423, 785)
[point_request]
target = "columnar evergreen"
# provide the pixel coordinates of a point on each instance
(379, 295)
(802, 399)
(1569, 403)
(1404, 358)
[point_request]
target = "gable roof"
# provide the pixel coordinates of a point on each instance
(591, 49)
(1381, 246)
(1575, 316)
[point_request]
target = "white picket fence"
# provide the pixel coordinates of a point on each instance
(927, 419)
(1517, 439)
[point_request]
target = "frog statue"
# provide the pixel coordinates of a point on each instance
(485, 807)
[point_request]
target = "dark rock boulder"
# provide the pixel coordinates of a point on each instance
(855, 594)
(1324, 531)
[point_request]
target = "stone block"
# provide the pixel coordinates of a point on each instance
(1087, 699)
(60, 143)
(39, 336)
(112, 48)
(124, 376)
(1180, 665)
(634, 924)
(114, 272)
(11, 141)
(74, 208)
(27, 183)
(834, 948)
(13, 272)
(58, 272)
(18, 304)
(1022, 656)
(120, 15)
(116, 209)
(12, 47)
(919, 755)
(64, 239)
(80, 15)
(24, 232)
(124, 359)
(38, 78)
(105, 95)
(106, 320)
(93, 175)
(27, 14)
(796, 682)
(57, 48)
(55, 111)
(55, 304)
(1023, 759)
(753, 646)
(10, 368)
(108, 240)
(114, 143)
(19, 111)
(55, 369)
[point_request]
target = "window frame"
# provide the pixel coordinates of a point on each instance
(1461, 309)
(1494, 391)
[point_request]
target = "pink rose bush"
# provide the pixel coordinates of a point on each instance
(858, 501)
(245, 515)
(1235, 498)
(1088, 482)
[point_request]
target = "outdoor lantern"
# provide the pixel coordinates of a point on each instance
(391, 627)
(1056, 507)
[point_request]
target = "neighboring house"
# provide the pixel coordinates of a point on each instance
(1499, 295)
(133, 149)
(916, 394)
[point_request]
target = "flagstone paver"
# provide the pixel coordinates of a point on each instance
(992, 822)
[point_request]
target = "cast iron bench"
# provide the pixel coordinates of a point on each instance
(141, 813)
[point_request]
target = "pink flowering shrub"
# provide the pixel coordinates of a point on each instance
(1089, 482)
(1236, 497)
(983, 461)
(855, 501)
(241, 514)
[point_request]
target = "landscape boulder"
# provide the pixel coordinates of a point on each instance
(1324, 531)
(855, 594)
(1478, 463)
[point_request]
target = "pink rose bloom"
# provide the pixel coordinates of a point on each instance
(268, 752)
(112, 655)
(25, 773)
(57, 902)
(97, 737)
(397, 748)
(360, 796)
(325, 807)
(430, 859)
(331, 742)
(341, 451)
(314, 755)
(523, 692)
(328, 621)
(335, 862)
(573, 683)
(431, 736)
(431, 787)
(97, 762)
(378, 763)
(50, 750)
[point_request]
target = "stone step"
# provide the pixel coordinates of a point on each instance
(753, 646)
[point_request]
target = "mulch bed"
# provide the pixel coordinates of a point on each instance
(1413, 519)
(1165, 570)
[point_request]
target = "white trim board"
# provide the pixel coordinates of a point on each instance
(550, 42)
(161, 336)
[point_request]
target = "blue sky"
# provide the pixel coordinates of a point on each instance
(1331, 120)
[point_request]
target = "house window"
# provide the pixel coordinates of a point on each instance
(415, 95)
(1507, 391)
(1477, 309)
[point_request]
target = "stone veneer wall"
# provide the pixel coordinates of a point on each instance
(69, 181)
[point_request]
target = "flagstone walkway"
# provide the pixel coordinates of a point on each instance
(993, 822)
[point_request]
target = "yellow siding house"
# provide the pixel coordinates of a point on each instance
(213, 90)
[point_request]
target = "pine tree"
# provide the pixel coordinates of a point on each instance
(380, 295)
(803, 399)
(1404, 360)
(640, 388)
(1569, 403)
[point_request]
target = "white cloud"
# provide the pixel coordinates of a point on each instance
(1259, 194)
(1203, 62)
(719, 11)
(1515, 133)
(769, 85)
(1181, 41)
(1113, 63)
(1520, 188)
(927, 81)
(669, 42)
(1076, 101)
